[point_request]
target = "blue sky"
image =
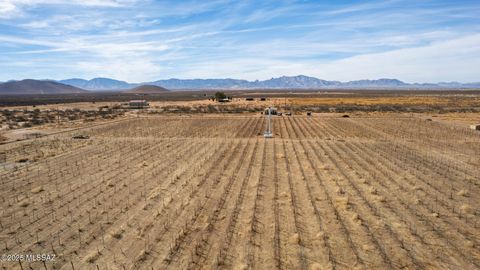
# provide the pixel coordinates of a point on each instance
(144, 40)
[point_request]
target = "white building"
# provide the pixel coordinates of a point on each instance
(475, 127)
(138, 104)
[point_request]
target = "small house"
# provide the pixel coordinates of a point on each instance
(475, 127)
(138, 104)
(273, 111)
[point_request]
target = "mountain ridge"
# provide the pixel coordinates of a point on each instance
(97, 84)
(283, 82)
(29, 86)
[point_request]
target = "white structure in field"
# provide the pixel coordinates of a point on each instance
(475, 127)
(138, 104)
(268, 133)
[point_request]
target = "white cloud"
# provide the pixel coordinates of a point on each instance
(132, 69)
(7, 9)
(63, 23)
(27, 41)
(14, 8)
(456, 59)
(105, 3)
(452, 60)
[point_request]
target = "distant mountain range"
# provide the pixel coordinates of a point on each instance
(284, 82)
(98, 84)
(34, 87)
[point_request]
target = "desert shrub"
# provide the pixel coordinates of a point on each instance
(37, 121)
(20, 118)
(211, 108)
(219, 96)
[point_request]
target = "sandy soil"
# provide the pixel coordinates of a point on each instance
(206, 192)
(65, 106)
(11, 135)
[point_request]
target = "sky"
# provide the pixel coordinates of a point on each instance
(147, 40)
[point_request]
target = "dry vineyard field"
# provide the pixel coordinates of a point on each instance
(178, 192)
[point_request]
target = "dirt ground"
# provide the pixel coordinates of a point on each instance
(372, 191)
(52, 128)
